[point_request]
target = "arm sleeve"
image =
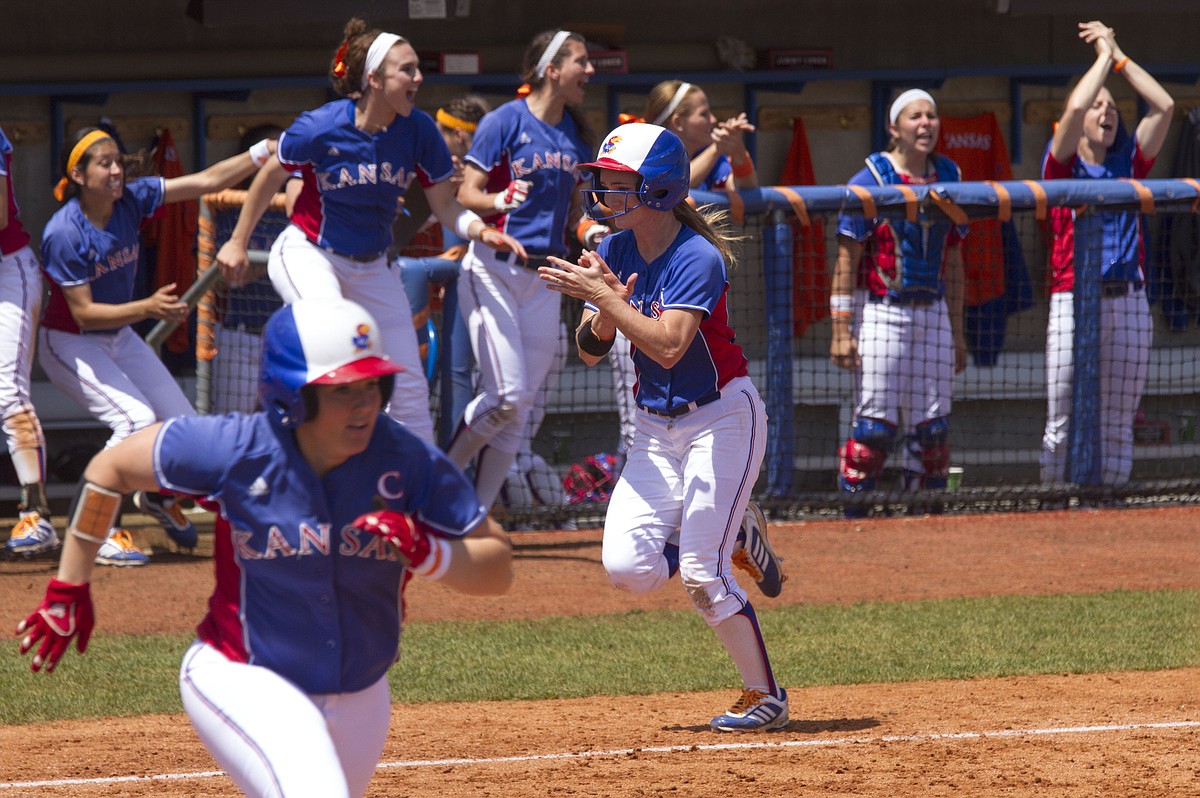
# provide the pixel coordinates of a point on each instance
(176, 464)
(434, 158)
(449, 504)
(295, 144)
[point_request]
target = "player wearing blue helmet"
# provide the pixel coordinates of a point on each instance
(326, 507)
(701, 426)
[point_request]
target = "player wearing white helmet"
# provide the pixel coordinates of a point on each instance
(326, 507)
(701, 426)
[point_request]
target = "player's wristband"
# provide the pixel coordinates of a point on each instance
(259, 153)
(462, 225)
(591, 343)
(744, 167)
(437, 563)
(841, 306)
(94, 512)
(1117, 67)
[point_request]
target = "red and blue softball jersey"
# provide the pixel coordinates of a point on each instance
(75, 252)
(690, 275)
(352, 179)
(718, 177)
(513, 144)
(298, 589)
(13, 237)
(904, 258)
(1122, 252)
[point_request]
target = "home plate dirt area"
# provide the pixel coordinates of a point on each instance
(1128, 734)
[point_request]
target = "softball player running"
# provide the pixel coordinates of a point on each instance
(1089, 143)
(357, 157)
(20, 304)
(86, 345)
(318, 533)
(701, 426)
(521, 171)
(910, 341)
(718, 149)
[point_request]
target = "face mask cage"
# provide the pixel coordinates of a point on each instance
(599, 208)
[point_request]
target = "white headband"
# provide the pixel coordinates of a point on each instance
(551, 50)
(906, 98)
(665, 114)
(375, 54)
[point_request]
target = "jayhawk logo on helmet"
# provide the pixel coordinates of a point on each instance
(608, 146)
(362, 339)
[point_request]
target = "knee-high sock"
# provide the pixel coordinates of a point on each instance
(490, 472)
(742, 638)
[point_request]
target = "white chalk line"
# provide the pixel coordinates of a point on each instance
(663, 749)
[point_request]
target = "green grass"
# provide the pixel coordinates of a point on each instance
(674, 651)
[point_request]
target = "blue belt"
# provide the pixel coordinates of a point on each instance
(1111, 288)
(683, 410)
(915, 299)
(532, 262)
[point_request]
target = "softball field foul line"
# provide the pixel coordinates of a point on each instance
(665, 749)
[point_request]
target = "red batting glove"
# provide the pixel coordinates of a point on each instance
(513, 196)
(401, 531)
(65, 612)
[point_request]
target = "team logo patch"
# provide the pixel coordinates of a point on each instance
(362, 337)
(609, 145)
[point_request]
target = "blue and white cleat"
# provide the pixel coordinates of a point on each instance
(754, 711)
(167, 512)
(31, 536)
(119, 550)
(754, 555)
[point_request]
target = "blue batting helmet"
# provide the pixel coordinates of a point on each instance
(654, 153)
(325, 342)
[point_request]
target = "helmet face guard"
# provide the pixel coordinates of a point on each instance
(653, 153)
(318, 342)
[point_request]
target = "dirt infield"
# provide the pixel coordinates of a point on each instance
(1105, 734)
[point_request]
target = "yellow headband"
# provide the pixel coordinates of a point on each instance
(454, 123)
(60, 190)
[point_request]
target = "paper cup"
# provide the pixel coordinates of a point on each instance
(954, 479)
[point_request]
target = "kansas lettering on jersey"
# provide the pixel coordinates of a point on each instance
(75, 252)
(12, 237)
(901, 257)
(513, 144)
(299, 590)
(1122, 250)
(352, 180)
(690, 275)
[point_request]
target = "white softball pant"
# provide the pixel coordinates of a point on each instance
(1126, 332)
(624, 378)
(513, 319)
(300, 270)
(115, 377)
(690, 476)
(907, 354)
(21, 291)
(276, 741)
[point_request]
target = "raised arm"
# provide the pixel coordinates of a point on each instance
(1065, 142)
(1152, 129)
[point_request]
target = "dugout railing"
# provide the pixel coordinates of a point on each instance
(778, 301)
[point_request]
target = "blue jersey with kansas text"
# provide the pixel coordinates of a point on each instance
(513, 144)
(76, 252)
(352, 180)
(690, 275)
(299, 590)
